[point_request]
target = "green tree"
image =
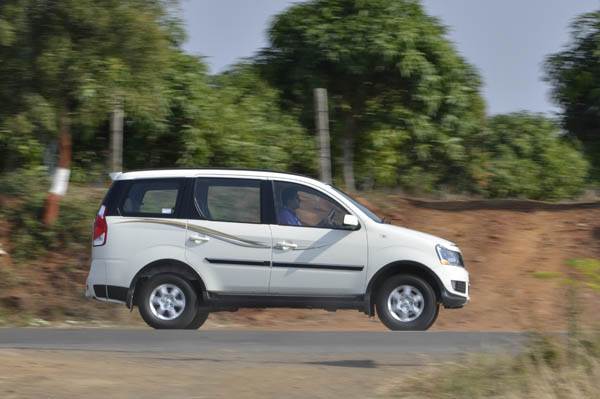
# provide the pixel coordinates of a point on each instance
(73, 59)
(244, 127)
(525, 156)
(162, 139)
(575, 75)
(398, 89)
(230, 120)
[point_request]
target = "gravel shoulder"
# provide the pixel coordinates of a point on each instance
(77, 374)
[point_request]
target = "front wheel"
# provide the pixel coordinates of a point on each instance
(198, 320)
(406, 302)
(168, 301)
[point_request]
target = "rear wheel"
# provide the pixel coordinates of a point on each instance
(168, 301)
(406, 302)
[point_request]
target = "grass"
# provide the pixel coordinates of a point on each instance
(550, 368)
(547, 275)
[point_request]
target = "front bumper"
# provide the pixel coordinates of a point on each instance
(450, 297)
(453, 301)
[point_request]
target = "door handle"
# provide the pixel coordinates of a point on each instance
(286, 245)
(198, 239)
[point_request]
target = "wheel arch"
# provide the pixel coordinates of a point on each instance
(165, 266)
(404, 267)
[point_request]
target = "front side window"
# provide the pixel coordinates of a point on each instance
(298, 205)
(153, 197)
(228, 200)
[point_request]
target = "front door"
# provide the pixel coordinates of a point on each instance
(227, 241)
(313, 254)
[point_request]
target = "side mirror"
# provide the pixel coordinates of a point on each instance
(351, 221)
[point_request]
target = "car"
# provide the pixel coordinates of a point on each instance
(180, 244)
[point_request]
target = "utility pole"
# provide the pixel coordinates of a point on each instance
(322, 124)
(116, 137)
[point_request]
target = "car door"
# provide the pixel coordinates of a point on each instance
(146, 225)
(313, 253)
(226, 239)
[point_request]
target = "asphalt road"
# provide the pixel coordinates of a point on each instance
(148, 364)
(252, 343)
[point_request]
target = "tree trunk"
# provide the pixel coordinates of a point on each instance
(60, 179)
(116, 138)
(322, 124)
(348, 153)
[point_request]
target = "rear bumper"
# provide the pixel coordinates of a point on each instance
(89, 291)
(96, 286)
(96, 277)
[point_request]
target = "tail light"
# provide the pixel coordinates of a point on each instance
(100, 228)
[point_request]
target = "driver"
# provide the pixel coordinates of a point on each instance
(291, 202)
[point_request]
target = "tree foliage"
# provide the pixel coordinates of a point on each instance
(399, 90)
(574, 73)
(405, 108)
(74, 57)
(527, 157)
(186, 98)
(247, 128)
(229, 120)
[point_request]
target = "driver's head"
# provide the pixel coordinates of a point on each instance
(290, 198)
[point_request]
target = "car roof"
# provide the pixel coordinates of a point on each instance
(198, 172)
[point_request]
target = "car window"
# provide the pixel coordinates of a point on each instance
(299, 205)
(228, 200)
(157, 198)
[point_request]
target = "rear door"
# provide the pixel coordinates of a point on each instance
(227, 241)
(146, 225)
(313, 253)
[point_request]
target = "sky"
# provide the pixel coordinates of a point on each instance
(506, 40)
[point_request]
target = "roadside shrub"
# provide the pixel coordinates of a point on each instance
(527, 157)
(30, 238)
(24, 194)
(23, 182)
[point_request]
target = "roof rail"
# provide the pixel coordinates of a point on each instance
(218, 168)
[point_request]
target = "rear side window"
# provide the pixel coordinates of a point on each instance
(155, 198)
(228, 200)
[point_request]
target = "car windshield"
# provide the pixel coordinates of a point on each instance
(360, 206)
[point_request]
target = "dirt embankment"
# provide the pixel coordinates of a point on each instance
(504, 243)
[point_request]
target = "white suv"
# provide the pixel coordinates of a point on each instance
(180, 244)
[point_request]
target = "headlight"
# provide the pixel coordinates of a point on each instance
(448, 257)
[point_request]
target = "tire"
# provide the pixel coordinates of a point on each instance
(198, 320)
(398, 305)
(177, 310)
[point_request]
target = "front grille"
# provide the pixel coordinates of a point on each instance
(459, 286)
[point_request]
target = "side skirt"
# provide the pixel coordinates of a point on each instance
(225, 302)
